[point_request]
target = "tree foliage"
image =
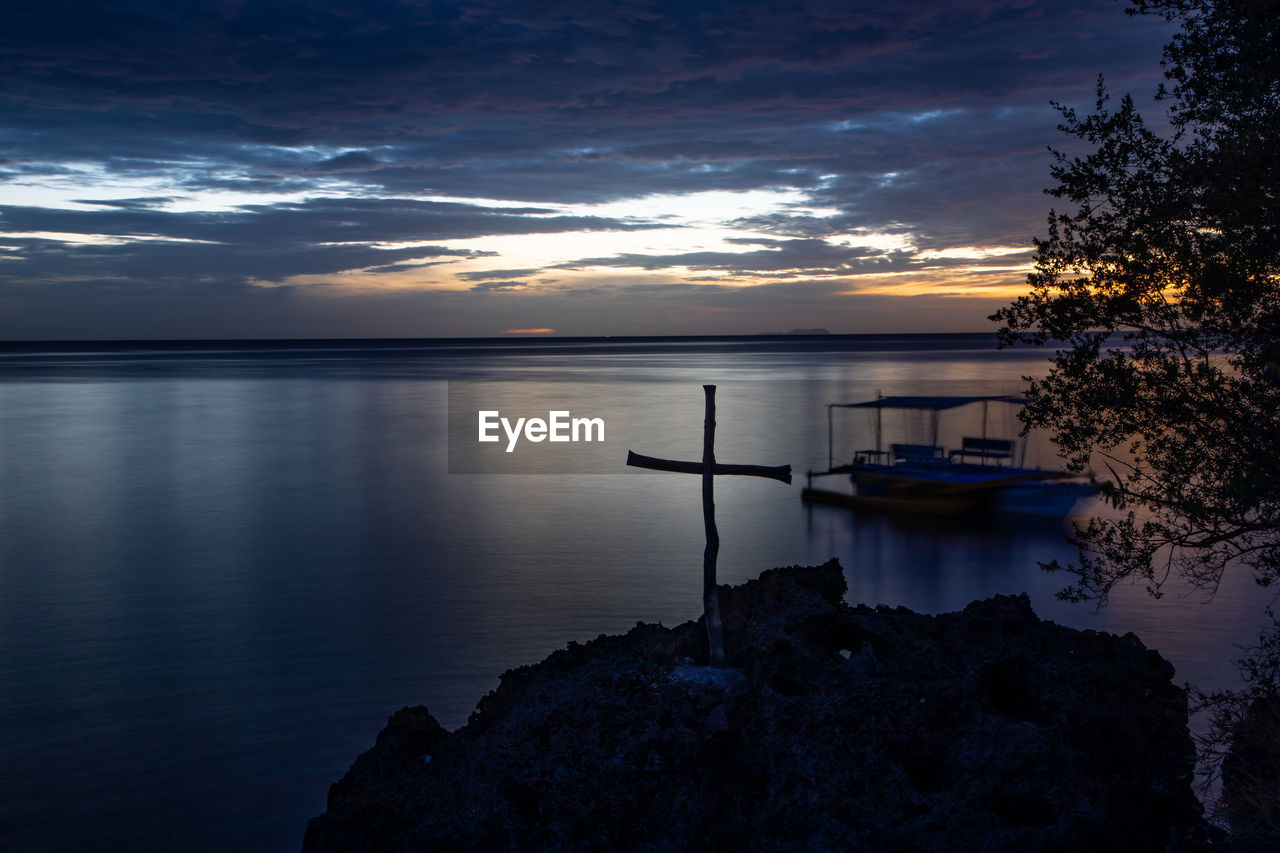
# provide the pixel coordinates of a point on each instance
(1159, 284)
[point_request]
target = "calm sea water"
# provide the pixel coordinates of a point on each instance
(222, 567)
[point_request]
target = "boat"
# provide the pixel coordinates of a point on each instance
(979, 476)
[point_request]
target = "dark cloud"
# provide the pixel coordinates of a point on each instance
(204, 265)
(794, 257)
(928, 119)
(313, 221)
(316, 70)
(496, 286)
(262, 242)
(308, 51)
(487, 275)
(128, 203)
(420, 264)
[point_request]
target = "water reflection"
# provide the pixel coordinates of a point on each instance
(221, 571)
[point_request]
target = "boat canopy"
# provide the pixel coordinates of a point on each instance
(933, 403)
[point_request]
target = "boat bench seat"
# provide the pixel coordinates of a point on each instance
(984, 448)
(916, 453)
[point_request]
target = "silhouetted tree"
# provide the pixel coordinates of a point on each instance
(1160, 286)
(1163, 287)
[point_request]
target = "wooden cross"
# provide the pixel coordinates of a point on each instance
(708, 468)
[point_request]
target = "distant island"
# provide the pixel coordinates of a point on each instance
(809, 332)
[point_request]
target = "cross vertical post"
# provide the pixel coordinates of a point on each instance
(709, 468)
(710, 601)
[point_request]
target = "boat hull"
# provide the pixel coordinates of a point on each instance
(954, 489)
(922, 506)
(1047, 499)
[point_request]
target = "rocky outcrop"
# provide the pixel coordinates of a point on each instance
(832, 728)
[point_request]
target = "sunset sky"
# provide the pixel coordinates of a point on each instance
(410, 169)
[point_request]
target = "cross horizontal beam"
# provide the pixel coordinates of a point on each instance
(781, 472)
(708, 468)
